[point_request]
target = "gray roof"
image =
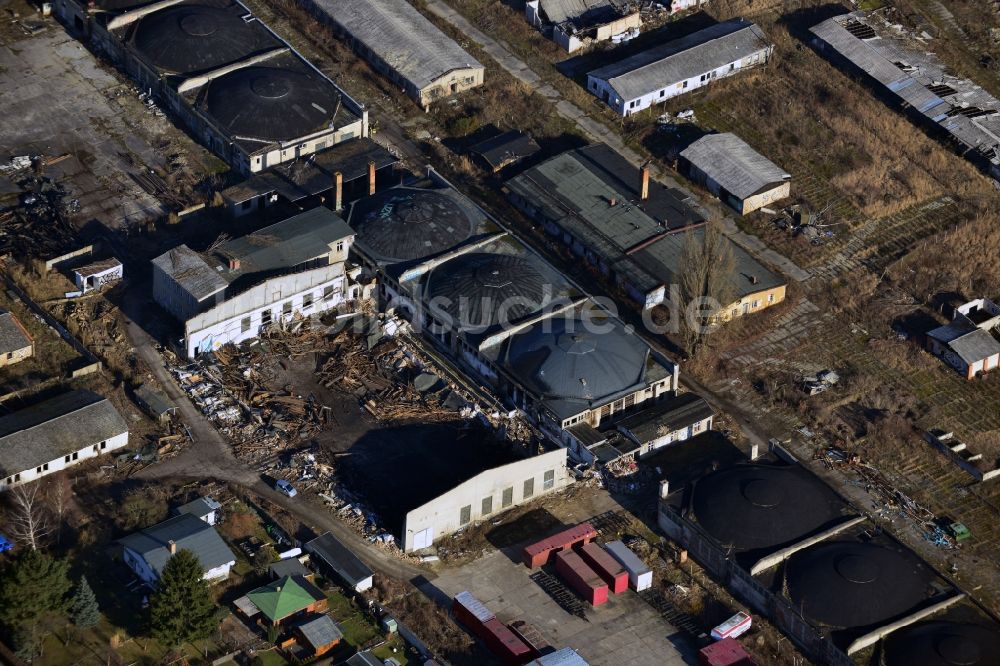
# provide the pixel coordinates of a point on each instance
(188, 533)
(970, 343)
(288, 567)
(666, 417)
(155, 402)
(328, 549)
(364, 659)
(733, 164)
(54, 428)
(682, 59)
(200, 507)
(97, 267)
(13, 337)
(190, 270)
(579, 12)
(401, 37)
(564, 657)
(320, 631)
(506, 148)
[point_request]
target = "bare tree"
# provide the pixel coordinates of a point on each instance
(29, 523)
(706, 269)
(58, 494)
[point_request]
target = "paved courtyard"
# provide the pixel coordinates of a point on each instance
(625, 630)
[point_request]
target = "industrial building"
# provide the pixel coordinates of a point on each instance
(295, 268)
(16, 344)
(669, 421)
(680, 66)
(403, 45)
(505, 315)
(58, 433)
(576, 24)
(901, 68)
(485, 494)
(631, 228)
(245, 93)
(730, 169)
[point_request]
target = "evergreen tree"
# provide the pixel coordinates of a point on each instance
(32, 586)
(85, 611)
(181, 609)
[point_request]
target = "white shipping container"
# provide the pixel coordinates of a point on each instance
(640, 576)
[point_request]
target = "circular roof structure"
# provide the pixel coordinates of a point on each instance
(483, 289)
(853, 584)
(571, 358)
(943, 644)
(403, 224)
(762, 506)
(194, 38)
(271, 103)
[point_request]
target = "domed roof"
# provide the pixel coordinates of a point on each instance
(762, 506)
(272, 103)
(480, 289)
(853, 584)
(943, 644)
(571, 358)
(196, 38)
(406, 223)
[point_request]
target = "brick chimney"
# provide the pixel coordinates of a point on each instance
(234, 264)
(338, 191)
(644, 191)
(172, 545)
(371, 178)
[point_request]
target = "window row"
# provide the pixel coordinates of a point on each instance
(507, 497)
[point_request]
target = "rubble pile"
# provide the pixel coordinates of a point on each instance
(38, 225)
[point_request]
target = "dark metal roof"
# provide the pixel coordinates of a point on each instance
(972, 344)
(854, 584)
(189, 38)
(188, 533)
(480, 289)
(13, 337)
(154, 401)
(288, 567)
(940, 643)
(200, 507)
(506, 148)
(667, 416)
(293, 241)
(277, 101)
(407, 223)
(749, 507)
(561, 358)
(328, 549)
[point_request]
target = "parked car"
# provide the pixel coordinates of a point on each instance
(285, 488)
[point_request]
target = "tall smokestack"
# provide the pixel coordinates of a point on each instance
(644, 192)
(338, 191)
(371, 178)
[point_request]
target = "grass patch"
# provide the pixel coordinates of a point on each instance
(358, 628)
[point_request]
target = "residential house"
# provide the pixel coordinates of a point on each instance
(16, 344)
(147, 551)
(730, 169)
(282, 601)
(58, 433)
(296, 267)
(202, 508)
(680, 66)
(967, 342)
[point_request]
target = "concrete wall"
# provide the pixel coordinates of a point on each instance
(762, 199)
(452, 83)
(88, 451)
(442, 516)
(16, 356)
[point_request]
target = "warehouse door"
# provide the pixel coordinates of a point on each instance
(423, 539)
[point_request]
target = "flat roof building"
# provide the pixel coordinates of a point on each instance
(241, 89)
(403, 45)
(680, 66)
(296, 267)
(730, 169)
(57, 433)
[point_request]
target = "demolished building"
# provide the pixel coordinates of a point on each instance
(576, 24)
(295, 268)
(903, 70)
(244, 92)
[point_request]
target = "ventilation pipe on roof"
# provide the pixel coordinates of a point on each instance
(753, 279)
(664, 489)
(371, 178)
(644, 192)
(172, 546)
(338, 191)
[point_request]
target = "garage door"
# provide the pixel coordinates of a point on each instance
(423, 539)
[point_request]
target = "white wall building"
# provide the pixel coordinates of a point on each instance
(296, 267)
(57, 433)
(680, 66)
(147, 551)
(486, 494)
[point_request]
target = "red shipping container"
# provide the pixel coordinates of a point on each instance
(538, 553)
(726, 652)
(572, 569)
(471, 612)
(607, 567)
(504, 644)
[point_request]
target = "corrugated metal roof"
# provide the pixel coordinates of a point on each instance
(155, 402)
(682, 59)
(13, 337)
(401, 37)
(320, 631)
(190, 270)
(579, 12)
(970, 343)
(666, 417)
(54, 428)
(564, 657)
(293, 241)
(188, 533)
(733, 164)
(475, 607)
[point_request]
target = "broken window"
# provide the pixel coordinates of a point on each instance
(286, 308)
(549, 480)
(487, 505)
(245, 324)
(307, 301)
(507, 498)
(465, 515)
(529, 488)
(328, 292)
(265, 318)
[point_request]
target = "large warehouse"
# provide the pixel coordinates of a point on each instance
(403, 45)
(506, 315)
(237, 86)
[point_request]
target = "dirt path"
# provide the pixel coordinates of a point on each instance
(210, 456)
